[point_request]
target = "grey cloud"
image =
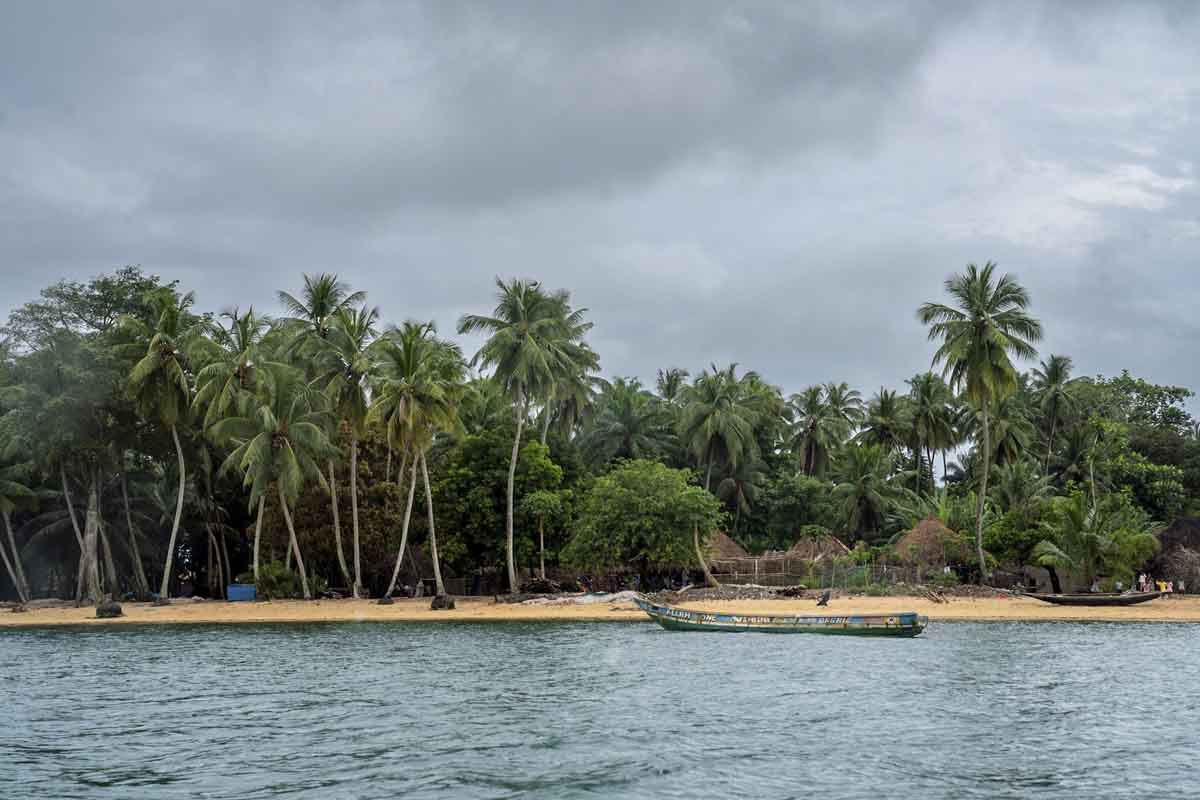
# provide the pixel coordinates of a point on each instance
(773, 183)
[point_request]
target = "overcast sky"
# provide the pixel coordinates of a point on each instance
(777, 185)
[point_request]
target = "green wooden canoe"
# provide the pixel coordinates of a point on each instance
(902, 624)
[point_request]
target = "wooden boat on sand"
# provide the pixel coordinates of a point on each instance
(902, 624)
(1097, 598)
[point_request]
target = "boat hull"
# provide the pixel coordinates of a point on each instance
(1131, 599)
(903, 625)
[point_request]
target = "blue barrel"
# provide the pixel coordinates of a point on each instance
(241, 591)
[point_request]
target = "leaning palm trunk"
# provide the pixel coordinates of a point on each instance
(295, 545)
(1050, 445)
(354, 512)
(215, 549)
(522, 410)
(258, 533)
(135, 554)
(165, 586)
(433, 551)
(91, 536)
(709, 580)
(79, 577)
(337, 526)
(412, 490)
(15, 571)
(985, 468)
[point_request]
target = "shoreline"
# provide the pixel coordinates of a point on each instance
(485, 609)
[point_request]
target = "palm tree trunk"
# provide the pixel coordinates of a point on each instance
(262, 500)
(709, 580)
(522, 410)
(15, 572)
(1050, 444)
(387, 475)
(215, 548)
(985, 467)
(110, 565)
(354, 512)
(224, 551)
(135, 554)
(91, 536)
(79, 578)
(337, 526)
(433, 551)
(545, 424)
(542, 545)
(295, 545)
(412, 489)
(708, 476)
(165, 587)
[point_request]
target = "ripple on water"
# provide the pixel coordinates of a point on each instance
(573, 711)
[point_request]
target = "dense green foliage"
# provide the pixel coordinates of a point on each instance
(141, 437)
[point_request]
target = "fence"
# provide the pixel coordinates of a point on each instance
(792, 572)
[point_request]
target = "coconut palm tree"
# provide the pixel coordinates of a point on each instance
(845, 405)
(227, 357)
(740, 489)
(483, 406)
(932, 420)
(1083, 537)
(816, 430)
(344, 361)
(312, 314)
(1054, 389)
(719, 419)
(280, 437)
(1017, 485)
(160, 387)
(571, 394)
(630, 423)
(886, 423)
(419, 383)
(978, 337)
(533, 336)
(671, 383)
(861, 483)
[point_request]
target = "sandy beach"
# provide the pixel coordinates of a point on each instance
(484, 609)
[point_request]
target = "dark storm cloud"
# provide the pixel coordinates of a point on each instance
(776, 184)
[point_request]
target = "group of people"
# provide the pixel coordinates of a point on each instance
(1147, 584)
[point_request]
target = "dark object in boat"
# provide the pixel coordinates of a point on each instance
(1097, 598)
(823, 600)
(904, 624)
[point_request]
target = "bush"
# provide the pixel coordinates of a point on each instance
(275, 581)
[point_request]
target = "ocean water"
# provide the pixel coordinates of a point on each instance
(1053, 710)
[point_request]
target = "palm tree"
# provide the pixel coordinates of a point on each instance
(932, 417)
(740, 489)
(13, 495)
(976, 337)
(718, 421)
(228, 356)
(159, 385)
(280, 437)
(534, 336)
(886, 422)
(816, 431)
(420, 380)
(670, 383)
(845, 405)
(861, 482)
(1082, 537)
(344, 358)
(1017, 486)
(1054, 388)
(571, 393)
(630, 423)
(320, 301)
(483, 406)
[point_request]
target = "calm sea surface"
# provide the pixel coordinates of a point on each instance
(598, 710)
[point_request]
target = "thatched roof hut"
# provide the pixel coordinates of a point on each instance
(931, 543)
(722, 548)
(820, 548)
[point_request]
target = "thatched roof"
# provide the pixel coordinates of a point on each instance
(722, 548)
(931, 543)
(822, 547)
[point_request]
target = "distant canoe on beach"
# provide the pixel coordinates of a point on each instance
(1097, 598)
